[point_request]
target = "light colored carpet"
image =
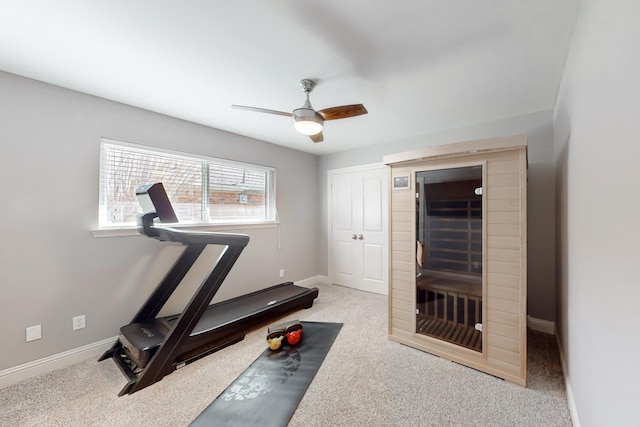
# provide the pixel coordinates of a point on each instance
(365, 380)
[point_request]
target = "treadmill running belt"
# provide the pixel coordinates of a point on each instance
(269, 391)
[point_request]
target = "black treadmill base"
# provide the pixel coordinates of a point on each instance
(221, 325)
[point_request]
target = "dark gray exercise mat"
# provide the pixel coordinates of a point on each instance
(268, 392)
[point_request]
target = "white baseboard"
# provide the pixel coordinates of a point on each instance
(573, 410)
(310, 281)
(51, 363)
(549, 327)
(541, 325)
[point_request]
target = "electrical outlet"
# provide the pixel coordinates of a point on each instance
(281, 272)
(79, 322)
(34, 333)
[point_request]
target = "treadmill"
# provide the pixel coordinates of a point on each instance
(150, 348)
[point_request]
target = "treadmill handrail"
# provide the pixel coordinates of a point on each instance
(195, 237)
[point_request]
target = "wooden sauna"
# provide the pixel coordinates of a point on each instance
(458, 277)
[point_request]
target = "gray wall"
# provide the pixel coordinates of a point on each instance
(53, 268)
(597, 147)
(539, 129)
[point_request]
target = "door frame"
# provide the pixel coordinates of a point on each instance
(385, 207)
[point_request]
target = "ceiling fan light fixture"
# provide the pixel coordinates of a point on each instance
(307, 121)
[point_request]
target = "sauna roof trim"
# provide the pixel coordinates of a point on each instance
(457, 149)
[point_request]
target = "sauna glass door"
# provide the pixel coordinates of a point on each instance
(449, 255)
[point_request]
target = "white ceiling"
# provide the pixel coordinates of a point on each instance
(418, 66)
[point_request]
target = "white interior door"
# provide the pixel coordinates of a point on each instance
(358, 252)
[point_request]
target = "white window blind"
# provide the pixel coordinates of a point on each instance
(202, 190)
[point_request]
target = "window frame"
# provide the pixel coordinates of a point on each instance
(271, 216)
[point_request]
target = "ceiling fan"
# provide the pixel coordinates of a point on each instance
(308, 121)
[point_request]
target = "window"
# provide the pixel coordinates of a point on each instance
(202, 190)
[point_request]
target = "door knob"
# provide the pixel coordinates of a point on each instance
(360, 237)
(354, 237)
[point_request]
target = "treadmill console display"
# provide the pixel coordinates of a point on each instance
(154, 200)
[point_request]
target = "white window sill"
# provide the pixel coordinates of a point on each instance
(133, 231)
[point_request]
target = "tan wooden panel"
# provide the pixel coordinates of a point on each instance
(503, 179)
(505, 356)
(401, 225)
(507, 280)
(502, 329)
(402, 325)
(400, 333)
(403, 276)
(496, 254)
(405, 210)
(503, 292)
(402, 236)
(402, 256)
(399, 196)
(397, 265)
(500, 193)
(505, 343)
(402, 315)
(508, 371)
(503, 317)
(399, 233)
(504, 218)
(503, 230)
(403, 216)
(504, 305)
(400, 208)
(401, 292)
(400, 283)
(500, 242)
(402, 170)
(404, 305)
(399, 247)
(505, 155)
(497, 167)
(504, 267)
(500, 205)
(399, 314)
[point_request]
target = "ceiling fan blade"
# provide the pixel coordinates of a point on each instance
(318, 137)
(261, 110)
(342, 112)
